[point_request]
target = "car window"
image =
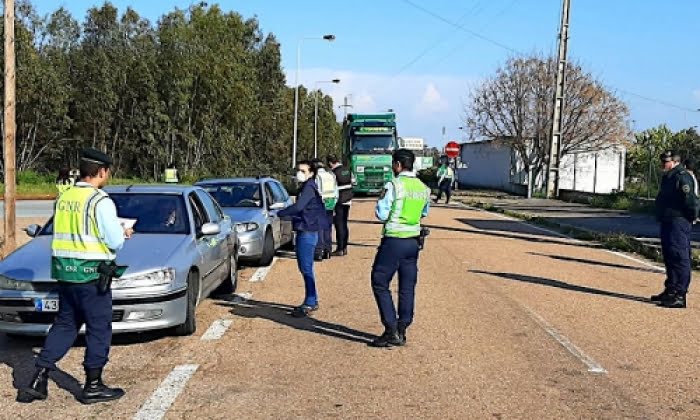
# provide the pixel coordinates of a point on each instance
(212, 210)
(198, 213)
(279, 193)
(269, 197)
(237, 194)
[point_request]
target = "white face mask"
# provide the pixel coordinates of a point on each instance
(301, 177)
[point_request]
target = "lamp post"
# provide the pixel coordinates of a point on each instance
(296, 91)
(316, 92)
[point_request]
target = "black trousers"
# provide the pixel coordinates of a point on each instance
(446, 187)
(340, 220)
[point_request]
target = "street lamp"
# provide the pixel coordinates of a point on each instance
(328, 38)
(316, 92)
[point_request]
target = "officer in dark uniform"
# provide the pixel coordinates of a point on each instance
(676, 209)
(86, 237)
(343, 178)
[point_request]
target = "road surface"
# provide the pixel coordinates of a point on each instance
(31, 208)
(512, 322)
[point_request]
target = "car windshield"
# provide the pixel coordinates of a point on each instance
(154, 213)
(364, 144)
(235, 194)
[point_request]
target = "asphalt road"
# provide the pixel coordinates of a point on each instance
(31, 208)
(511, 322)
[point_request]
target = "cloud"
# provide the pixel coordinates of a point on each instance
(423, 103)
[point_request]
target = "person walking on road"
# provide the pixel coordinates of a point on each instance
(86, 237)
(403, 203)
(328, 188)
(307, 215)
(446, 176)
(676, 209)
(343, 178)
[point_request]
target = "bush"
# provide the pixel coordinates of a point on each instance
(30, 177)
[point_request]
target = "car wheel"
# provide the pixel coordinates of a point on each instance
(289, 246)
(268, 250)
(190, 324)
(231, 282)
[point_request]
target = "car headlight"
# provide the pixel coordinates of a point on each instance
(154, 278)
(246, 227)
(359, 169)
(7, 283)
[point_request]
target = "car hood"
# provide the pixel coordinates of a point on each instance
(143, 252)
(242, 214)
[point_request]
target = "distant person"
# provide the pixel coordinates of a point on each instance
(676, 209)
(64, 180)
(328, 188)
(307, 214)
(691, 165)
(343, 177)
(171, 174)
(446, 176)
(403, 204)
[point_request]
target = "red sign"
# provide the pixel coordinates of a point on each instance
(452, 149)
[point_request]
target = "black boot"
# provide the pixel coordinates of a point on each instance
(38, 389)
(340, 253)
(673, 300)
(402, 333)
(327, 254)
(661, 296)
(388, 339)
(95, 391)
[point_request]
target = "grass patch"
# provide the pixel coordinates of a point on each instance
(32, 185)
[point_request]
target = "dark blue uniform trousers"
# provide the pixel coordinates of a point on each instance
(394, 255)
(80, 304)
(675, 247)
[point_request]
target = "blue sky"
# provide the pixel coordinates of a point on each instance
(389, 54)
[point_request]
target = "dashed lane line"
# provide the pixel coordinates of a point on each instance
(164, 396)
(262, 272)
(217, 329)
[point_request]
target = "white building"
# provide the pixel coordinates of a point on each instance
(496, 165)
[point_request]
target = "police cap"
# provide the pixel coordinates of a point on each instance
(669, 156)
(95, 156)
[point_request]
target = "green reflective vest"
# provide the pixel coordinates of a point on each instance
(77, 248)
(171, 176)
(410, 198)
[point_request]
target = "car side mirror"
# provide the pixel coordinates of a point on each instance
(210, 229)
(277, 206)
(32, 230)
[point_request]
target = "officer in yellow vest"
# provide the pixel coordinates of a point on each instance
(404, 202)
(63, 180)
(171, 174)
(86, 235)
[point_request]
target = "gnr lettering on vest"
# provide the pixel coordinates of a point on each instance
(73, 206)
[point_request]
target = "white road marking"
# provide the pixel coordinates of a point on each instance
(164, 396)
(261, 272)
(593, 366)
(217, 329)
(578, 241)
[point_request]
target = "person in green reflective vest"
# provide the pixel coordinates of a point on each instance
(64, 181)
(403, 203)
(86, 234)
(446, 176)
(171, 174)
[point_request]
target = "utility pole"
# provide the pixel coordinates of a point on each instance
(10, 126)
(345, 107)
(558, 108)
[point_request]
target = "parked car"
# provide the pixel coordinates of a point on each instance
(252, 204)
(183, 249)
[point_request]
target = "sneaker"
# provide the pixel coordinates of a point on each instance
(303, 310)
(674, 301)
(340, 253)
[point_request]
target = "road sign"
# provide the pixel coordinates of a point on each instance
(452, 149)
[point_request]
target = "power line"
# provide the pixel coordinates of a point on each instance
(515, 51)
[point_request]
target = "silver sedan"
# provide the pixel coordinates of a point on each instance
(183, 249)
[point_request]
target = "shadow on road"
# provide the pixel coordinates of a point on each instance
(561, 285)
(600, 263)
(280, 313)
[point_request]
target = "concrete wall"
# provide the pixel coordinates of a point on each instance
(488, 166)
(601, 172)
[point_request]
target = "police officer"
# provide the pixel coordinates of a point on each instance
(86, 234)
(676, 209)
(404, 202)
(343, 177)
(328, 189)
(446, 177)
(64, 180)
(171, 174)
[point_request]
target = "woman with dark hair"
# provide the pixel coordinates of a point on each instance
(307, 215)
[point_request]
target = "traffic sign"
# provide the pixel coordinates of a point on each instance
(452, 149)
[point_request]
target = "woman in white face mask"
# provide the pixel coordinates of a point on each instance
(307, 215)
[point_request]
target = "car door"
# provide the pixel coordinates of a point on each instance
(272, 216)
(218, 244)
(208, 263)
(280, 195)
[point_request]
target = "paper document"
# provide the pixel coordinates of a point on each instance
(127, 223)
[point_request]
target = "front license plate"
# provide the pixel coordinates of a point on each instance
(46, 305)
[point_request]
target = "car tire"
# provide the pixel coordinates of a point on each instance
(230, 283)
(289, 246)
(268, 250)
(190, 325)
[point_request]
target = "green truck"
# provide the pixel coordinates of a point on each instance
(368, 142)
